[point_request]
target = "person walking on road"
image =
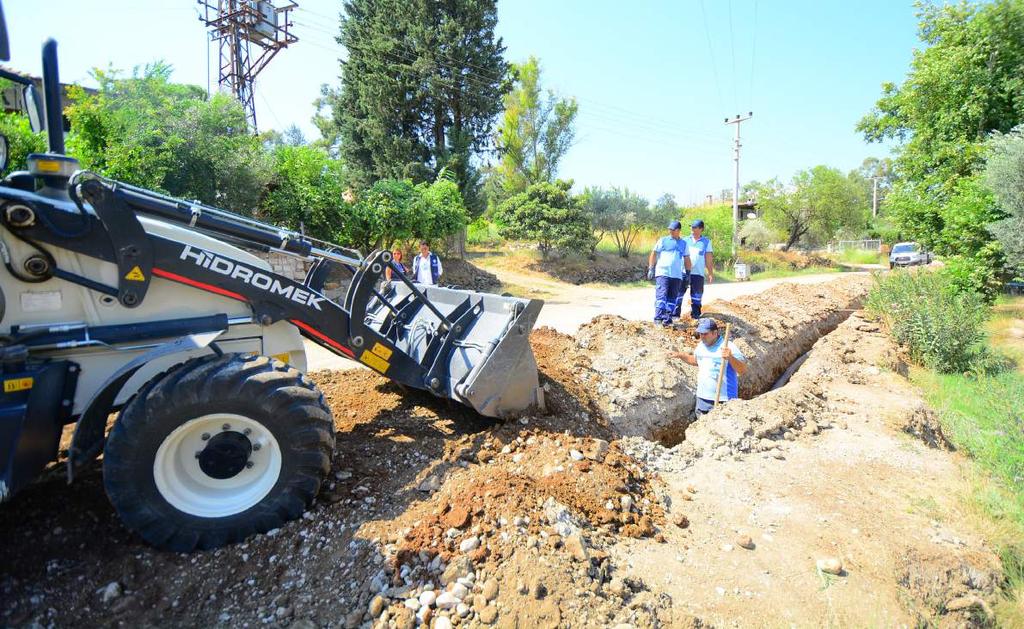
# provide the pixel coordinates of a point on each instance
(708, 356)
(426, 267)
(667, 265)
(700, 268)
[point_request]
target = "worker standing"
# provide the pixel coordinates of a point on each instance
(708, 356)
(426, 267)
(667, 265)
(701, 268)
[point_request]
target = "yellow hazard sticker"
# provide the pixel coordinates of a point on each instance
(382, 351)
(374, 362)
(135, 275)
(283, 357)
(48, 166)
(17, 384)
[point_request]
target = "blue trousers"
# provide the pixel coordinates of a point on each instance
(668, 294)
(696, 286)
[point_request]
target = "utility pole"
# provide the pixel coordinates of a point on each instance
(874, 197)
(736, 186)
(238, 26)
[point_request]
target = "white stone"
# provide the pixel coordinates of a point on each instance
(412, 604)
(469, 544)
(576, 455)
(427, 598)
(459, 591)
(446, 600)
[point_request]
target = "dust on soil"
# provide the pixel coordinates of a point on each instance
(550, 521)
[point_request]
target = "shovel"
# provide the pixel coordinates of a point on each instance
(725, 365)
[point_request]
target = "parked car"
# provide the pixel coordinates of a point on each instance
(908, 254)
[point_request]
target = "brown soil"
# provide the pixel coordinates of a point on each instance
(547, 520)
(463, 274)
(603, 267)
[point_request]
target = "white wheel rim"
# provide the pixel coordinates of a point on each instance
(183, 484)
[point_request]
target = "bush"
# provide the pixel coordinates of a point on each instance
(941, 325)
(20, 139)
(548, 215)
(482, 233)
(717, 226)
(978, 273)
(755, 234)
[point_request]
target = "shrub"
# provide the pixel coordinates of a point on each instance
(940, 325)
(755, 234)
(717, 226)
(549, 215)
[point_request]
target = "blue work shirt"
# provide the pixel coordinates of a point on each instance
(709, 365)
(669, 262)
(696, 250)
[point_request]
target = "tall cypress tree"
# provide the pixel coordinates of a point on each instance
(420, 89)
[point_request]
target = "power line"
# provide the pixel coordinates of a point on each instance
(732, 51)
(711, 53)
(610, 112)
(753, 57)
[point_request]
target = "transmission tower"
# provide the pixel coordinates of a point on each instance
(249, 34)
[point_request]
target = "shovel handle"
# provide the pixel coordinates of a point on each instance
(725, 365)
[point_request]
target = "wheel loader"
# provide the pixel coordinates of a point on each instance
(119, 300)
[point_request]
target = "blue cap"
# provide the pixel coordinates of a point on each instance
(706, 325)
(675, 225)
(697, 223)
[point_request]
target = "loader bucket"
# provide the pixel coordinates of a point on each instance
(486, 362)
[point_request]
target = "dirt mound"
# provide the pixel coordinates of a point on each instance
(461, 273)
(624, 369)
(604, 267)
(506, 502)
(949, 589)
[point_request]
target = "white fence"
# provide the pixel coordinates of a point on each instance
(866, 245)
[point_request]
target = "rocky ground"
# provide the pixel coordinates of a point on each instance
(829, 501)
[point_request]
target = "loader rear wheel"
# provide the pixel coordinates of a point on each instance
(217, 449)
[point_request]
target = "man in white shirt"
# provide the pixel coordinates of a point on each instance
(709, 356)
(426, 267)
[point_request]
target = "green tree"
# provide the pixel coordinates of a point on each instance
(664, 211)
(549, 215)
(1004, 175)
(618, 212)
(385, 213)
(817, 204)
(419, 91)
(717, 224)
(534, 134)
(965, 82)
(442, 210)
(398, 211)
(20, 140)
(305, 190)
(146, 130)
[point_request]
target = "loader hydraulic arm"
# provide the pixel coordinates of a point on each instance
(434, 339)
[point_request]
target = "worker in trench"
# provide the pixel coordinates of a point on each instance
(708, 356)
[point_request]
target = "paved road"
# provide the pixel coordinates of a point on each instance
(572, 306)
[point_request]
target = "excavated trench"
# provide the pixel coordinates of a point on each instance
(638, 391)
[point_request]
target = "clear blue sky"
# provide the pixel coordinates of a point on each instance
(654, 80)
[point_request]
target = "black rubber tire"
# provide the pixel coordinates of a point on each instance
(280, 397)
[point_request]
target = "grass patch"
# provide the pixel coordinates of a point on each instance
(861, 256)
(984, 417)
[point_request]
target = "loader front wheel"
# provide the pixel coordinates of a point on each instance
(217, 449)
